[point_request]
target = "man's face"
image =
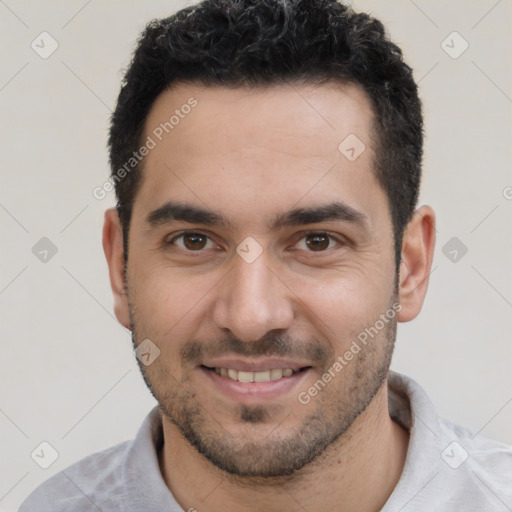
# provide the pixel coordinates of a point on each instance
(275, 278)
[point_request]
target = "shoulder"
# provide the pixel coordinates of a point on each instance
(476, 471)
(83, 485)
(122, 478)
(477, 455)
(448, 467)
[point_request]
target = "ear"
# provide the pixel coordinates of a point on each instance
(417, 253)
(113, 248)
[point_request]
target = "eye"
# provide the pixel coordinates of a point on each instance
(192, 241)
(317, 242)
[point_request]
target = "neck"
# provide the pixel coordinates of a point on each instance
(369, 455)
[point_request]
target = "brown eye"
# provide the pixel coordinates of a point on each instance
(194, 241)
(317, 241)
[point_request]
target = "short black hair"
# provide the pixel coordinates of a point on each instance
(264, 42)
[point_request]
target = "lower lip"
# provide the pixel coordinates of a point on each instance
(255, 391)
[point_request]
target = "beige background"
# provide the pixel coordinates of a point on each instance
(68, 375)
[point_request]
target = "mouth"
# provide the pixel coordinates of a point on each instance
(244, 385)
(262, 376)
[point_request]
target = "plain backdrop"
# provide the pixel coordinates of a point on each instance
(68, 374)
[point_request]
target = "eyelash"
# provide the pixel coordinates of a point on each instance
(337, 239)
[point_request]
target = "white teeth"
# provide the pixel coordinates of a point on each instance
(265, 376)
(276, 374)
(262, 376)
(246, 376)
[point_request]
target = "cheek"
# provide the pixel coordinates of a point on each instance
(167, 307)
(166, 299)
(342, 304)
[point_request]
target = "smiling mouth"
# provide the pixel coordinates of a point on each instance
(263, 376)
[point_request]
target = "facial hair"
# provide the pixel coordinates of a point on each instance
(281, 452)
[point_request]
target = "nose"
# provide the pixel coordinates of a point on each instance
(252, 301)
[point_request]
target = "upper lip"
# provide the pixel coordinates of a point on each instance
(259, 365)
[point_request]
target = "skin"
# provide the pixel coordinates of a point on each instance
(248, 155)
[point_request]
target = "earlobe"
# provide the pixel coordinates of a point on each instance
(417, 253)
(113, 249)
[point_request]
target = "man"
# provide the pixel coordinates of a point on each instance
(267, 159)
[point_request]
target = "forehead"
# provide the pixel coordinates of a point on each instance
(256, 148)
(315, 116)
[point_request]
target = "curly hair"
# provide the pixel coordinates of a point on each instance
(264, 42)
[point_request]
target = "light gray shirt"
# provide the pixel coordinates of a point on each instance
(448, 468)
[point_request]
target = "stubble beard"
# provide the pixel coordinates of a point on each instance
(280, 452)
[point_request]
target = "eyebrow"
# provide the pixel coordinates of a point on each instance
(172, 211)
(330, 212)
(337, 211)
